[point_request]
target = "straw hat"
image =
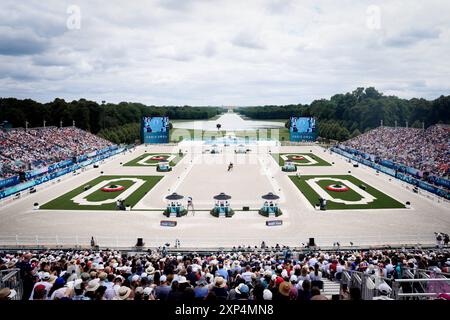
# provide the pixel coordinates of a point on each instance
(284, 288)
(92, 285)
(123, 293)
(219, 282)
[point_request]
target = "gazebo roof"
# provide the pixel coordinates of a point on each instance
(222, 196)
(174, 196)
(270, 196)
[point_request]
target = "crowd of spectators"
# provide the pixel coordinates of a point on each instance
(22, 149)
(425, 150)
(254, 275)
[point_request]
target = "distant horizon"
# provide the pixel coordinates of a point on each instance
(226, 106)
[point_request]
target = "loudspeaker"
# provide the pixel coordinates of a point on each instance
(311, 242)
(140, 242)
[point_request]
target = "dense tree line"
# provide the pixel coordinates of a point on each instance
(347, 115)
(91, 116)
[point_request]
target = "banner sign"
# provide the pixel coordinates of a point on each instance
(272, 223)
(35, 173)
(397, 174)
(168, 223)
(55, 174)
(8, 182)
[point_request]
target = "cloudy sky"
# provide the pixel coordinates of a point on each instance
(224, 52)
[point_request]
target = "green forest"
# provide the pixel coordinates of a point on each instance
(118, 123)
(341, 117)
(347, 115)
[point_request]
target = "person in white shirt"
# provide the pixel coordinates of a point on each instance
(248, 274)
(316, 275)
(43, 280)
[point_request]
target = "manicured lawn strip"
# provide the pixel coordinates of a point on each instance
(64, 202)
(382, 201)
(349, 195)
(134, 162)
(320, 161)
(100, 195)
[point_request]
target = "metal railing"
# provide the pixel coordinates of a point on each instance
(119, 242)
(416, 284)
(11, 279)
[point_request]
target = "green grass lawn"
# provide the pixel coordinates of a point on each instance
(64, 202)
(320, 161)
(382, 200)
(172, 163)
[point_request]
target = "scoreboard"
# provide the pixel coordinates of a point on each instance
(302, 129)
(155, 130)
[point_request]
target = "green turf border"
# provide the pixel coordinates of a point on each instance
(64, 202)
(383, 201)
(172, 163)
(320, 161)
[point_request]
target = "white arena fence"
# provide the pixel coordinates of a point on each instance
(187, 243)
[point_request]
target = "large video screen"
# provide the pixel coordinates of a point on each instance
(155, 129)
(303, 129)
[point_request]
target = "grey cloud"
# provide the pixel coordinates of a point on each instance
(246, 39)
(412, 37)
(15, 42)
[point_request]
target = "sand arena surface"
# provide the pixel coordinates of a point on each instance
(202, 176)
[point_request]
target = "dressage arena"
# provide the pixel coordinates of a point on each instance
(363, 206)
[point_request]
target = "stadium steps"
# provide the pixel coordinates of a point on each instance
(330, 288)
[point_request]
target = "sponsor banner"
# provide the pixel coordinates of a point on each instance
(55, 174)
(59, 165)
(168, 223)
(35, 173)
(273, 223)
(81, 158)
(397, 174)
(8, 182)
(441, 181)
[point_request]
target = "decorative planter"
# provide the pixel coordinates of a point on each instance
(298, 158)
(266, 214)
(227, 215)
(179, 214)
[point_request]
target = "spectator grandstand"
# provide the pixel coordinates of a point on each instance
(22, 150)
(424, 150)
(257, 274)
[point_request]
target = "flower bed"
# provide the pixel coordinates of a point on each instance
(112, 188)
(157, 158)
(337, 188)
